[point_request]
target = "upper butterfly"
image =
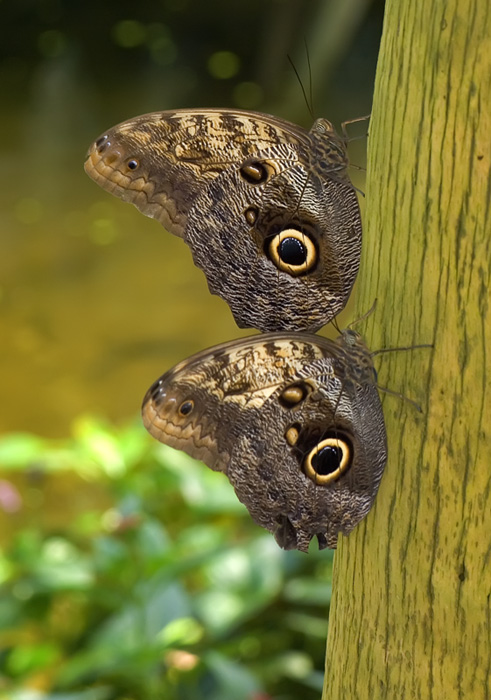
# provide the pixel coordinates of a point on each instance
(266, 207)
(294, 421)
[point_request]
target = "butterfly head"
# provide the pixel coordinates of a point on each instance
(358, 358)
(329, 153)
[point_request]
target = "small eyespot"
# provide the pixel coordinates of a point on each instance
(251, 214)
(292, 251)
(254, 172)
(132, 164)
(293, 394)
(292, 434)
(328, 460)
(186, 407)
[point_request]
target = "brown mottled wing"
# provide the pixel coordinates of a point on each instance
(267, 473)
(224, 383)
(235, 185)
(178, 153)
(244, 422)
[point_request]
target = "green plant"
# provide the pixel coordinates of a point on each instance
(132, 571)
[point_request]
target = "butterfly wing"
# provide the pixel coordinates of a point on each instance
(291, 478)
(162, 161)
(265, 206)
(276, 415)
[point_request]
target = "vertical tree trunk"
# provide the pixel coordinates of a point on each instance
(411, 613)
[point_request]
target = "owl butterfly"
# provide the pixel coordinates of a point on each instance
(265, 206)
(294, 421)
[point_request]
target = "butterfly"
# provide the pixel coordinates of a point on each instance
(266, 207)
(295, 422)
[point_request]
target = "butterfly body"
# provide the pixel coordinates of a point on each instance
(265, 206)
(299, 434)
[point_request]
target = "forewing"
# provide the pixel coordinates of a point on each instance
(161, 161)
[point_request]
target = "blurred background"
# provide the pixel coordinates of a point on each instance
(128, 570)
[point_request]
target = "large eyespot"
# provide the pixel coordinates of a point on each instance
(330, 458)
(292, 251)
(132, 164)
(255, 172)
(186, 407)
(293, 394)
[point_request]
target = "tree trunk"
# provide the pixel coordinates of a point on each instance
(411, 612)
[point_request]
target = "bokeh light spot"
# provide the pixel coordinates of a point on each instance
(103, 231)
(248, 95)
(223, 65)
(51, 43)
(128, 33)
(161, 45)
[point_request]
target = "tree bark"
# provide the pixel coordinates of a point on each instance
(411, 612)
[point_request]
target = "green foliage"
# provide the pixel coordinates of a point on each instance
(149, 580)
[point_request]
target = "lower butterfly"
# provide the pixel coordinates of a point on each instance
(266, 207)
(293, 420)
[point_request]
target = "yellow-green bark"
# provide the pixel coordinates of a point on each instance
(411, 612)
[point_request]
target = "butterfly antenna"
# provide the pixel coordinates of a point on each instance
(301, 86)
(405, 347)
(396, 393)
(365, 315)
(311, 90)
(400, 396)
(357, 167)
(336, 325)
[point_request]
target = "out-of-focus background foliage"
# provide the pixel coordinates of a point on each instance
(127, 570)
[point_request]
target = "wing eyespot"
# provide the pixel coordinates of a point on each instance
(255, 172)
(251, 215)
(292, 434)
(293, 394)
(186, 407)
(292, 251)
(329, 459)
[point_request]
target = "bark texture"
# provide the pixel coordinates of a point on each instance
(411, 612)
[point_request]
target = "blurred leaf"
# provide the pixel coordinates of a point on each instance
(202, 488)
(171, 591)
(6, 570)
(293, 664)
(231, 679)
(99, 693)
(100, 445)
(181, 632)
(309, 625)
(18, 449)
(27, 658)
(61, 566)
(308, 591)
(243, 581)
(132, 635)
